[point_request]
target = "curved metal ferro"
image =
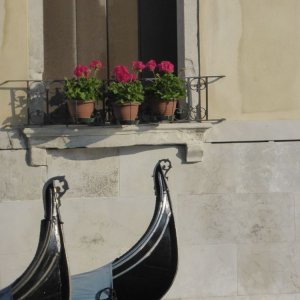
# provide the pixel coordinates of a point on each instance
(165, 165)
(47, 277)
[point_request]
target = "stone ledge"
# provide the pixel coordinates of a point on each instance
(61, 137)
(253, 131)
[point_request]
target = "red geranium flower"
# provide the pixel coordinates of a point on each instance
(151, 65)
(120, 69)
(138, 65)
(81, 71)
(122, 77)
(122, 74)
(96, 64)
(166, 66)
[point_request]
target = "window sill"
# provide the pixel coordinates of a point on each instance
(191, 135)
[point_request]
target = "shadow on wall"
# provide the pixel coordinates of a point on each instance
(90, 154)
(34, 103)
(14, 103)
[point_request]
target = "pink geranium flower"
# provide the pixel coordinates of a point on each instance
(122, 77)
(81, 71)
(120, 69)
(138, 65)
(96, 64)
(151, 65)
(84, 85)
(166, 66)
(122, 74)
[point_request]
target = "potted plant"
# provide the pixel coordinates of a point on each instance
(126, 92)
(83, 90)
(165, 89)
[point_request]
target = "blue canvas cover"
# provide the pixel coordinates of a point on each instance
(5, 294)
(86, 285)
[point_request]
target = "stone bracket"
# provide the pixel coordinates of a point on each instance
(37, 157)
(40, 139)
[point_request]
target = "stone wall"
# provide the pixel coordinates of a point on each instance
(236, 212)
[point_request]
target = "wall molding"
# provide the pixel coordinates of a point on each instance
(254, 131)
(190, 135)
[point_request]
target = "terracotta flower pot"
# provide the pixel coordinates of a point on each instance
(126, 113)
(81, 110)
(163, 108)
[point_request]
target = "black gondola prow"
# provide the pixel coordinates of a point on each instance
(47, 276)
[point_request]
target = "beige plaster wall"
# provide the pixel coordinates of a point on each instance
(13, 50)
(255, 43)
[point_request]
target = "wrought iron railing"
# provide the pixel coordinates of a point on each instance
(42, 102)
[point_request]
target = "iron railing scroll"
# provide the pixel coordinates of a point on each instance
(199, 84)
(42, 102)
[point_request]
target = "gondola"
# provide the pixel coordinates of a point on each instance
(148, 269)
(145, 272)
(47, 276)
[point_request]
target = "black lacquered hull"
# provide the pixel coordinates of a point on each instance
(154, 276)
(148, 269)
(47, 276)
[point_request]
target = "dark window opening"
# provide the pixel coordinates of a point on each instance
(158, 31)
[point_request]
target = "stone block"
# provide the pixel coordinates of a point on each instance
(137, 165)
(230, 168)
(98, 230)
(285, 167)
(205, 271)
(236, 218)
(226, 168)
(18, 181)
(19, 233)
(89, 172)
(244, 168)
(272, 268)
